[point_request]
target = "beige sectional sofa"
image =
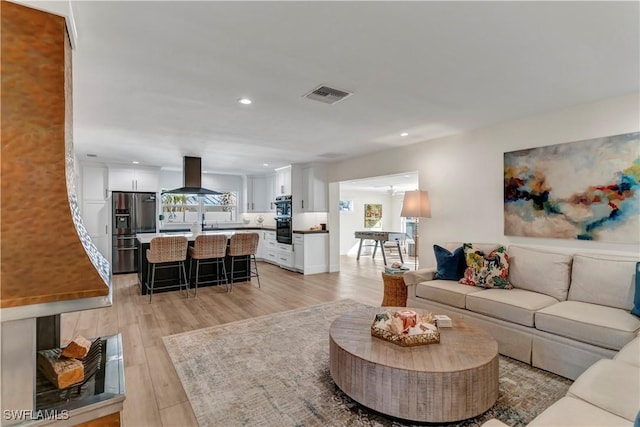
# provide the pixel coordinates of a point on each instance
(606, 394)
(564, 314)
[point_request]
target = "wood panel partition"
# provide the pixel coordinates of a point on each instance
(42, 256)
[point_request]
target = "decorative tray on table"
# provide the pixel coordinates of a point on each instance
(406, 328)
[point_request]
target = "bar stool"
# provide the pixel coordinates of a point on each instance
(244, 245)
(209, 250)
(167, 252)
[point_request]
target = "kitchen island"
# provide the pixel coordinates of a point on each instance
(169, 276)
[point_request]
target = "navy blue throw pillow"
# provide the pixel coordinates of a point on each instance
(636, 299)
(450, 265)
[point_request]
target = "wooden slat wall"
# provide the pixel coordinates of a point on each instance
(42, 258)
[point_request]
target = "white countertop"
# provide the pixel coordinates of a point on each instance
(146, 237)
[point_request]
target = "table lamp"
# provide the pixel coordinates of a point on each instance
(416, 205)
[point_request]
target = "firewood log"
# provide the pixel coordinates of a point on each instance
(77, 348)
(62, 372)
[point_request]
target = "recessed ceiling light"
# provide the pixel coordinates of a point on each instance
(244, 101)
(404, 134)
(205, 171)
(135, 162)
(265, 164)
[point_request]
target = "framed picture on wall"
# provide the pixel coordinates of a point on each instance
(586, 190)
(372, 215)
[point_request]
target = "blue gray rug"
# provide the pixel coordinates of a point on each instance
(273, 370)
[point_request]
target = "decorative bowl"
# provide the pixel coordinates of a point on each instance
(429, 334)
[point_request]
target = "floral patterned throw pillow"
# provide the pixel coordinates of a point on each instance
(486, 271)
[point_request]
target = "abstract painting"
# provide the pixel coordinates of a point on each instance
(372, 216)
(587, 190)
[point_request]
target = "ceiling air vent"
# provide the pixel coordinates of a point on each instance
(327, 94)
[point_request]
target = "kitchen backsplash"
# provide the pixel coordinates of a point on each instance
(300, 221)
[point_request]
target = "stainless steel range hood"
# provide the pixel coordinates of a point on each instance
(192, 178)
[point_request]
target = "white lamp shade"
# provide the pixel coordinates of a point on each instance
(416, 204)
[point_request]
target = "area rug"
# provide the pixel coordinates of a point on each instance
(274, 371)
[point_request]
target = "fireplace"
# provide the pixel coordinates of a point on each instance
(27, 396)
(49, 263)
(103, 382)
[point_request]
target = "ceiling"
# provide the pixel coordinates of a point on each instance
(391, 184)
(154, 81)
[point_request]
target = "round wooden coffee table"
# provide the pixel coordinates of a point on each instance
(450, 381)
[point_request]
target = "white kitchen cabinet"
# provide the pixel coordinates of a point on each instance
(270, 249)
(298, 252)
(261, 193)
(285, 256)
(313, 197)
(147, 180)
(283, 180)
(134, 179)
(95, 216)
(94, 183)
(270, 193)
(96, 209)
(313, 256)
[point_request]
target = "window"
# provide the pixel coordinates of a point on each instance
(191, 208)
(346, 206)
(410, 227)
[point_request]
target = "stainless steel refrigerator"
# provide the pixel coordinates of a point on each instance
(133, 213)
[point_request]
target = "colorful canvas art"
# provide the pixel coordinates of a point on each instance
(372, 216)
(588, 190)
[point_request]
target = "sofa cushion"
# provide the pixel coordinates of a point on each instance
(540, 271)
(450, 264)
(515, 305)
(445, 292)
(611, 386)
(571, 412)
(486, 270)
(636, 298)
(591, 323)
(630, 353)
(603, 279)
(484, 247)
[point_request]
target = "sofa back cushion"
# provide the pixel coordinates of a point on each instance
(603, 279)
(486, 248)
(540, 271)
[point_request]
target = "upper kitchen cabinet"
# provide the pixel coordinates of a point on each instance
(261, 193)
(310, 188)
(122, 178)
(283, 180)
(94, 183)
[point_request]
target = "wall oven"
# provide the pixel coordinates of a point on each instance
(284, 232)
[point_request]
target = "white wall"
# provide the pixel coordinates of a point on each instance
(464, 173)
(350, 222)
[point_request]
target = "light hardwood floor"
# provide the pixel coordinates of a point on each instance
(155, 396)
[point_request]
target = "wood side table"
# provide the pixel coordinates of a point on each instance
(395, 291)
(437, 383)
